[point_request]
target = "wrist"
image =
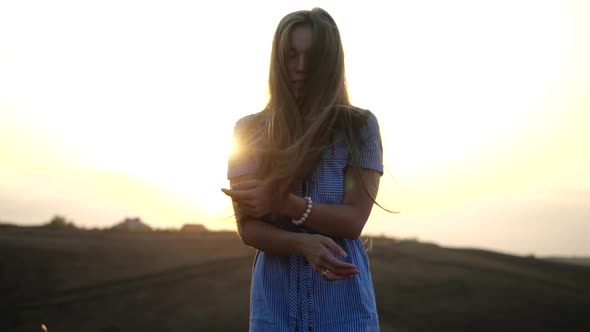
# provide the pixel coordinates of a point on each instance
(299, 242)
(294, 206)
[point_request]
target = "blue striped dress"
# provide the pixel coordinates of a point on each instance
(286, 293)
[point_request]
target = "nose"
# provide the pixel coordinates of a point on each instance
(301, 63)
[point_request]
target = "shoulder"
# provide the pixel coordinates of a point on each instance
(363, 120)
(367, 116)
(248, 123)
(366, 129)
(372, 123)
(357, 114)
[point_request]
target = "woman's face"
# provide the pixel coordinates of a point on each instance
(297, 58)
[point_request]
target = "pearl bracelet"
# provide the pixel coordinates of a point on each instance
(306, 214)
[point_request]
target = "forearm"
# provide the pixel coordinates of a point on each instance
(270, 239)
(333, 220)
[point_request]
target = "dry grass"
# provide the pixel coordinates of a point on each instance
(171, 281)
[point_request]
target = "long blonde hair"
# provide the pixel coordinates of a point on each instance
(297, 131)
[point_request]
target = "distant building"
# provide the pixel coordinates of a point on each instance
(132, 224)
(195, 228)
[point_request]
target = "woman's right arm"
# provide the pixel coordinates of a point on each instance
(316, 248)
(319, 250)
(268, 238)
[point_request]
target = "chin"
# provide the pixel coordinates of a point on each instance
(297, 95)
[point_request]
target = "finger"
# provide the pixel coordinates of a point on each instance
(248, 209)
(246, 184)
(246, 212)
(336, 271)
(343, 272)
(333, 263)
(339, 268)
(237, 195)
(247, 204)
(334, 247)
(228, 192)
(331, 276)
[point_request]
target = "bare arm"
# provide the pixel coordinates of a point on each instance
(345, 220)
(268, 238)
(263, 236)
(317, 249)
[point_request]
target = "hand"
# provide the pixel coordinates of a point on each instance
(253, 197)
(319, 249)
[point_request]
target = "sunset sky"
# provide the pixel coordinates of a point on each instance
(126, 108)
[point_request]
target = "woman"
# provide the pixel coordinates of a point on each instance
(303, 185)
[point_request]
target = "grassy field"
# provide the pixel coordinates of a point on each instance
(173, 281)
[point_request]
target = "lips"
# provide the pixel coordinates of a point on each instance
(298, 83)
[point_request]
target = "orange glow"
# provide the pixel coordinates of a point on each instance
(480, 106)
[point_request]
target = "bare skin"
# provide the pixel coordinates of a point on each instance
(345, 220)
(252, 198)
(297, 57)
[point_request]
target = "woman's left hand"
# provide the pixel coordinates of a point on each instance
(253, 197)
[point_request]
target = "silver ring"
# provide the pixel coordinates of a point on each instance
(324, 272)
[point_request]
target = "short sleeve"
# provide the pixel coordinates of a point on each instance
(371, 150)
(241, 161)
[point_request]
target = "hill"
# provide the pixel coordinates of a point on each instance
(182, 281)
(572, 260)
